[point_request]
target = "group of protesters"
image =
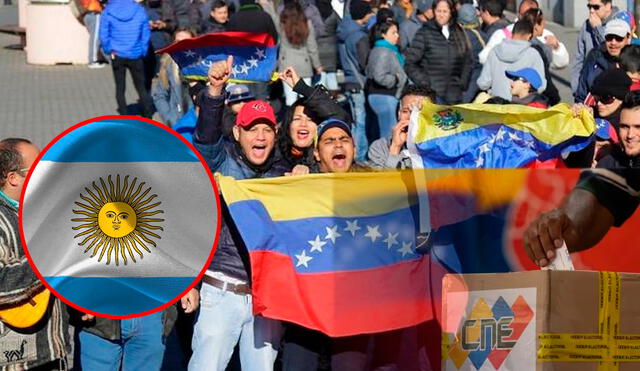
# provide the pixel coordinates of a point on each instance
(350, 76)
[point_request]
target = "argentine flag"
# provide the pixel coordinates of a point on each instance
(119, 217)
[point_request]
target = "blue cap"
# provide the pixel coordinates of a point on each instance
(238, 93)
(333, 123)
(602, 129)
(528, 74)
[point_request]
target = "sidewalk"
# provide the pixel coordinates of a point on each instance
(39, 102)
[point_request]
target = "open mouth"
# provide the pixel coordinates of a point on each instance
(259, 150)
(302, 135)
(339, 160)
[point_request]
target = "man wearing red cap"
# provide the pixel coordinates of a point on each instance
(226, 318)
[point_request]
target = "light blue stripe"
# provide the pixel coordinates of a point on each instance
(119, 295)
(119, 140)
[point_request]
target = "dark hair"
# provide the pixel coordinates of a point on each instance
(497, 100)
(10, 157)
(381, 28)
(285, 142)
(218, 4)
(607, 1)
(294, 23)
(495, 8)
(533, 16)
(632, 100)
(455, 29)
(630, 58)
(383, 14)
(419, 90)
(523, 27)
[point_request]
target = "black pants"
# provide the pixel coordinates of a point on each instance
(136, 68)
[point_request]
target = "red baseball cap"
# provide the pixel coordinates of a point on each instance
(256, 110)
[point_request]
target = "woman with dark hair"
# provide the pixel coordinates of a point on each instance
(297, 135)
(439, 55)
(298, 46)
(385, 75)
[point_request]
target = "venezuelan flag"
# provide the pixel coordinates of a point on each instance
(254, 55)
(495, 136)
(119, 216)
(333, 252)
(337, 252)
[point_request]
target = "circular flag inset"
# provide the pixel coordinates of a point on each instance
(120, 216)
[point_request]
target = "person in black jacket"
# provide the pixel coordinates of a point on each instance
(439, 56)
(297, 135)
(217, 19)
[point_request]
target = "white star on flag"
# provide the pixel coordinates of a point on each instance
(332, 234)
(235, 71)
(484, 148)
(500, 134)
(479, 162)
(303, 259)
(514, 136)
(189, 53)
(252, 62)
(352, 227)
(373, 233)
(405, 249)
(244, 68)
(391, 240)
(260, 53)
(530, 144)
(492, 139)
(316, 245)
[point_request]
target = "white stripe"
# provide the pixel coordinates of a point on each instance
(424, 207)
(187, 201)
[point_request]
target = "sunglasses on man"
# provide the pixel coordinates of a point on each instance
(595, 7)
(607, 99)
(612, 37)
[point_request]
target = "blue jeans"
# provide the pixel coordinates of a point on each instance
(385, 107)
(140, 346)
(357, 103)
(92, 22)
(225, 319)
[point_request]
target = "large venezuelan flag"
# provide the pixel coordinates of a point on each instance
(337, 252)
(119, 216)
(495, 136)
(333, 252)
(254, 55)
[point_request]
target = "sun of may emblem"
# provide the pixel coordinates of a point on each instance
(117, 219)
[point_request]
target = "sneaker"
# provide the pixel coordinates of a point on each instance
(96, 65)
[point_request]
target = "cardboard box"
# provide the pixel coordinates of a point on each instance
(541, 320)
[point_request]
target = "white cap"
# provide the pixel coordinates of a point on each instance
(617, 27)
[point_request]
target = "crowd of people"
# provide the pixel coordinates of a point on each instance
(350, 75)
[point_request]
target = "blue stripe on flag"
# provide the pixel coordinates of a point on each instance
(492, 146)
(119, 140)
(363, 242)
(119, 295)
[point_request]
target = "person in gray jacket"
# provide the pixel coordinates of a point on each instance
(511, 54)
(385, 75)
(298, 46)
(591, 35)
(391, 152)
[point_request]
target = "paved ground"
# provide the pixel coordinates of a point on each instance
(39, 102)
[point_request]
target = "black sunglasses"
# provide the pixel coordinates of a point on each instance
(611, 37)
(594, 7)
(607, 99)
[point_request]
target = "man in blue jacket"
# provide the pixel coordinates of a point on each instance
(124, 35)
(225, 317)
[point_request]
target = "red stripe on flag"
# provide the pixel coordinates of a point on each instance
(230, 38)
(342, 303)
